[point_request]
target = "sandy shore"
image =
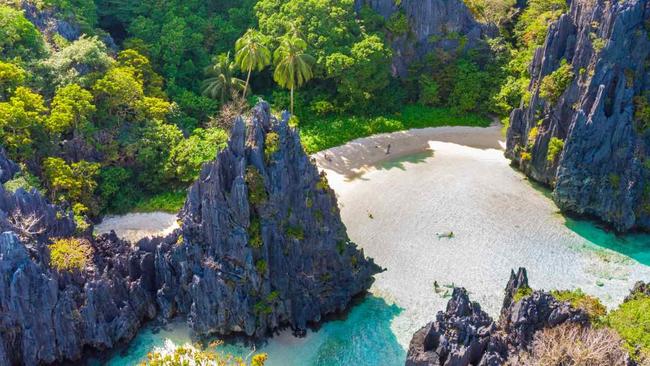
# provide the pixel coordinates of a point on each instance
(136, 226)
(356, 157)
(457, 179)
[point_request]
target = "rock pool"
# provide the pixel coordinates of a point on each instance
(393, 210)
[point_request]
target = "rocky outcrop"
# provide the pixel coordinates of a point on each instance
(601, 168)
(465, 335)
(7, 167)
(261, 232)
(49, 316)
(434, 25)
(640, 289)
(459, 336)
(49, 21)
(262, 246)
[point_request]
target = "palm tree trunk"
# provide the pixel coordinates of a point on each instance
(250, 69)
(292, 101)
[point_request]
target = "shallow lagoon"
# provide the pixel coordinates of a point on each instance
(501, 222)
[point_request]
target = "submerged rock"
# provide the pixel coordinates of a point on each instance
(464, 335)
(261, 232)
(434, 25)
(598, 162)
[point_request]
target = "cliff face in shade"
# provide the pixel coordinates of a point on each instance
(435, 24)
(603, 169)
(465, 335)
(262, 233)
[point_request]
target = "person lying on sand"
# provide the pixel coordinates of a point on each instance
(445, 234)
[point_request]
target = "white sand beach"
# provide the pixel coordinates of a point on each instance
(136, 226)
(457, 179)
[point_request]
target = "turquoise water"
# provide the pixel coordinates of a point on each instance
(500, 222)
(363, 338)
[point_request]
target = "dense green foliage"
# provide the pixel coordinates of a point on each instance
(140, 118)
(632, 321)
(324, 133)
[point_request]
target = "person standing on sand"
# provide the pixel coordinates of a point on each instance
(388, 150)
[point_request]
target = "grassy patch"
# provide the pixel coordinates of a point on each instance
(632, 321)
(170, 202)
(579, 300)
(329, 132)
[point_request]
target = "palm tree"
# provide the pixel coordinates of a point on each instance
(293, 66)
(222, 81)
(251, 53)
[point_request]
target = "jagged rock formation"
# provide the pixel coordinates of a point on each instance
(465, 335)
(435, 24)
(7, 167)
(48, 21)
(603, 168)
(49, 316)
(262, 246)
(262, 233)
(640, 288)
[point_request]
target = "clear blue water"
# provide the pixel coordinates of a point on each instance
(363, 338)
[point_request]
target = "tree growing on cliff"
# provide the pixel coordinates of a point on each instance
(293, 64)
(72, 109)
(251, 54)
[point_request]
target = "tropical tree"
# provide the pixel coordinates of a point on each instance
(293, 66)
(222, 81)
(251, 53)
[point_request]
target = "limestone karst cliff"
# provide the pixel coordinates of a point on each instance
(589, 139)
(262, 246)
(434, 24)
(261, 232)
(465, 335)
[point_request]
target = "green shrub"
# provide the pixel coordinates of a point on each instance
(632, 321)
(295, 232)
(398, 24)
(261, 266)
(555, 147)
(271, 145)
(579, 300)
(256, 190)
(642, 113)
(614, 180)
(521, 293)
(70, 254)
(255, 233)
(554, 84)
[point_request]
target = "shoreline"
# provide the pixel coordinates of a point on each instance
(358, 156)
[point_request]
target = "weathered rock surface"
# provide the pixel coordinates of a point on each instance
(261, 232)
(640, 288)
(465, 335)
(262, 246)
(435, 24)
(602, 170)
(7, 167)
(48, 316)
(49, 21)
